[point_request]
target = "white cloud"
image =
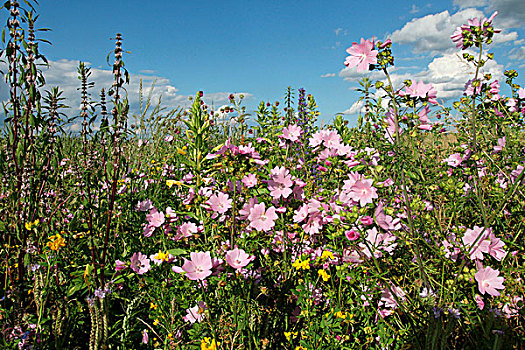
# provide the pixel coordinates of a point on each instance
(470, 3)
(511, 13)
(447, 73)
(505, 37)
(351, 74)
(432, 33)
(517, 54)
(327, 75)
(414, 9)
(356, 108)
(63, 73)
(340, 31)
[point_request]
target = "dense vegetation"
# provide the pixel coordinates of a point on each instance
(201, 229)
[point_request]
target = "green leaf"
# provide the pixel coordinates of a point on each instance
(177, 251)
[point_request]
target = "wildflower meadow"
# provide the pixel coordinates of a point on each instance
(215, 229)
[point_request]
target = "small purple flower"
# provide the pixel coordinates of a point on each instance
(100, 293)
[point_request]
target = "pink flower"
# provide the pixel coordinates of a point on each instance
(262, 219)
(155, 218)
(470, 89)
(292, 133)
(316, 139)
(488, 281)
(363, 192)
(367, 220)
(196, 313)
(187, 229)
(453, 160)
(496, 247)
(198, 267)
(247, 208)
(220, 203)
(386, 222)
(238, 258)
(521, 93)
(280, 183)
(457, 37)
(501, 145)
(120, 265)
(250, 180)
(352, 235)
(388, 299)
(479, 240)
(479, 301)
(390, 132)
(361, 55)
(423, 119)
(145, 205)
(484, 24)
(140, 263)
(171, 215)
(421, 90)
(145, 337)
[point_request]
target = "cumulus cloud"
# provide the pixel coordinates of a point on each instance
(511, 13)
(63, 73)
(351, 74)
(432, 33)
(328, 75)
(448, 74)
(357, 107)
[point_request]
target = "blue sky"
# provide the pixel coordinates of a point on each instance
(259, 48)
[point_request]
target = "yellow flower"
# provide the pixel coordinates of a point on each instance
(55, 242)
(301, 264)
(324, 275)
(327, 254)
(153, 305)
(342, 314)
(300, 348)
(207, 344)
(162, 256)
(156, 322)
(29, 225)
(181, 151)
(290, 335)
(170, 183)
